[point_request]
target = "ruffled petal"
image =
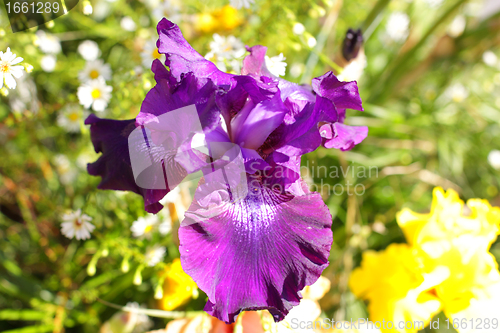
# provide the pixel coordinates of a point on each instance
(341, 136)
(168, 95)
(344, 95)
(255, 253)
(181, 58)
(110, 137)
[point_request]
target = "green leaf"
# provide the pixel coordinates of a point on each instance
(32, 329)
(22, 315)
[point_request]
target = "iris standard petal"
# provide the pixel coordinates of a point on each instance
(181, 58)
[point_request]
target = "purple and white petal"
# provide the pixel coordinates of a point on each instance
(255, 253)
(341, 136)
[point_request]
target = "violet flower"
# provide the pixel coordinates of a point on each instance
(254, 235)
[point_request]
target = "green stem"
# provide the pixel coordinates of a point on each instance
(372, 20)
(320, 41)
(153, 312)
(403, 63)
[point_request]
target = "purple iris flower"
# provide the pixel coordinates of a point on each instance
(247, 249)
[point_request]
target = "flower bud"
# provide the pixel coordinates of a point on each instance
(352, 44)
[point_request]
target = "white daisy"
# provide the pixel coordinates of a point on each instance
(150, 53)
(89, 50)
(70, 118)
(143, 226)
(298, 28)
(297, 69)
(241, 3)
(169, 9)
(165, 226)
(128, 24)
(141, 320)
(226, 51)
(77, 225)
(155, 255)
(490, 58)
(25, 96)
(95, 69)
(311, 42)
(87, 8)
(48, 63)
(457, 26)
(397, 27)
(67, 172)
(95, 93)
(456, 93)
(7, 69)
(228, 47)
(276, 65)
(48, 43)
(494, 159)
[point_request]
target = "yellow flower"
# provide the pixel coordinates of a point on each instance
(396, 288)
(457, 242)
(445, 265)
(447, 221)
(178, 287)
(223, 19)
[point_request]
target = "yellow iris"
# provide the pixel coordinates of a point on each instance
(96, 93)
(178, 287)
(446, 265)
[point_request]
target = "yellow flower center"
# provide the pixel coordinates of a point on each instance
(73, 116)
(4, 68)
(96, 93)
(94, 74)
(148, 229)
(156, 54)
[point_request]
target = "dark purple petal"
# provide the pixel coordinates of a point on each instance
(168, 95)
(341, 136)
(181, 58)
(110, 137)
(344, 95)
(256, 253)
(298, 134)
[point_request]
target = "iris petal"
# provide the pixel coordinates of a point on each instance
(110, 137)
(256, 253)
(181, 58)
